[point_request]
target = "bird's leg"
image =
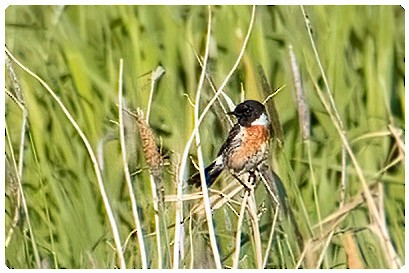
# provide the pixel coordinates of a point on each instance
(248, 183)
(252, 178)
(246, 187)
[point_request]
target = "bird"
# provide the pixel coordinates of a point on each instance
(245, 148)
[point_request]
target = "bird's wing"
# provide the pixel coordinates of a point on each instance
(231, 139)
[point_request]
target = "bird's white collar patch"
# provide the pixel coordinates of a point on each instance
(262, 120)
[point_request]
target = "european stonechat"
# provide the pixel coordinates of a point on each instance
(246, 146)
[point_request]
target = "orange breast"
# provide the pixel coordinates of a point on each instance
(252, 149)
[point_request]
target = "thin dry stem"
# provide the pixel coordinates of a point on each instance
(192, 256)
(155, 163)
(127, 174)
(280, 250)
(212, 86)
(302, 106)
(91, 153)
(324, 77)
(256, 231)
(13, 181)
(397, 134)
(219, 200)
(314, 183)
(275, 217)
(16, 85)
(184, 160)
(24, 203)
(384, 236)
(236, 257)
(128, 238)
(324, 249)
(275, 93)
(19, 100)
(155, 76)
(206, 200)
(344, 176)
(157, 221)
(330, 107)
(45, 202)
(287, 243)
(302, 256)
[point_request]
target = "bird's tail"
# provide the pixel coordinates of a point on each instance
(211, 173)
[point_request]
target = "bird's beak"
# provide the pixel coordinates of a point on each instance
(230, 113)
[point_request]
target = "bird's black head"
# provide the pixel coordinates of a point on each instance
(249, 111)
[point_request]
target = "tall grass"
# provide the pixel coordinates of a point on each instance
(71, 202)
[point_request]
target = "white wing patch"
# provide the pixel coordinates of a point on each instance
(219, 160)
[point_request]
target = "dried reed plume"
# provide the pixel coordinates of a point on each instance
(150, 150)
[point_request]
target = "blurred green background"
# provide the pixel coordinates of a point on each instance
(76, 51)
